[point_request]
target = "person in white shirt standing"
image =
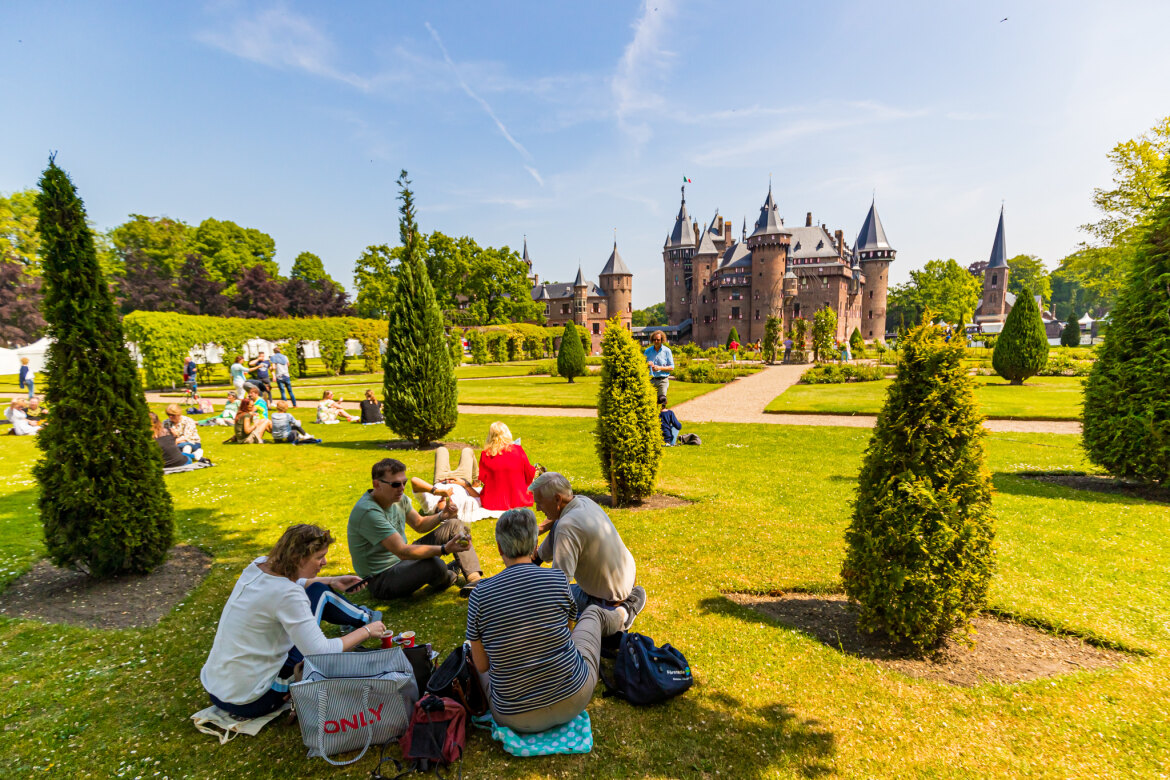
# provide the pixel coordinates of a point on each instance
(273, 619)
(281, 374)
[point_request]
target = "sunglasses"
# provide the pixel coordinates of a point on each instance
(392, 484)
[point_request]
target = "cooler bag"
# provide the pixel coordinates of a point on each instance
(349, 701)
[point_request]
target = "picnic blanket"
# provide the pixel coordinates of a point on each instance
(576, 736)
(226, 727)
(199, 464)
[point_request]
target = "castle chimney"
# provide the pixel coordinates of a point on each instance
(727, 233)
(839, 238)
(808, 220)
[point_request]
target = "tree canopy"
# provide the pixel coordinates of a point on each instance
(650, 316)
(19, 238)
(1028, 276)
(229, 249)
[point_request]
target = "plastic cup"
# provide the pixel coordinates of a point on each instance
(388, 639)
(406, 639)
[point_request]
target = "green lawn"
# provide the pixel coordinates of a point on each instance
(772, 503)
(1040, 398)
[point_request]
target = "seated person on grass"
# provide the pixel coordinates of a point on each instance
(378, 546)
(228, 415)
(328, 410)
(259, 405)
(172, 456)
(183, 429)
(583, 543)
(273, 619)
(250, 427)
(668, 420)
(371, 410)
(17, 414)
(36, 411)
(287, 429)
(539, 673)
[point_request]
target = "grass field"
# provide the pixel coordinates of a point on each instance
(771, 505)
(1040, 398)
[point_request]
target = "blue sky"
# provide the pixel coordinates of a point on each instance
(564, 122)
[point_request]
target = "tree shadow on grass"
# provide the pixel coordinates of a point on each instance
(1078, 487)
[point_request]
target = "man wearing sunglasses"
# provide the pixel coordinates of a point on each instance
(378, 546)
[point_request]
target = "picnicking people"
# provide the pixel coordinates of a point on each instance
(371, 410)
(249, 425)
(329, 410)
(262, 366)
(172, 456)
(228, 415)
(239, 374)
(660, 360)
(287, 429)
(282, 375)
(17, 414)
(669, 422)
(27, 377)
(258, 403)
(272, 620)
(34, 410)
(184, 431)
(583, 543)
(539, 673)
(505, 471)
(377, 540)
(190, 375)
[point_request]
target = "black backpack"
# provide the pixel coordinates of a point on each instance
(644, 673)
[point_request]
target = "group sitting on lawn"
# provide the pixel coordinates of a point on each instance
(24, 416)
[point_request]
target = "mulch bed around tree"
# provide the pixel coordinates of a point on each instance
(656, 501)
(1004, 651)
(70, 597)
(1099, 484)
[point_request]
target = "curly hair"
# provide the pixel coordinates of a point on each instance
(499, 439)
(296, 545)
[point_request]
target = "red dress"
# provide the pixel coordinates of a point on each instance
(505, 478)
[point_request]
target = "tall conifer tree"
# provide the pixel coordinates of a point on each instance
(571, 357)
(420, 394)
(629, 438)
(1021, 351)
(104, 504)
(1127, 395)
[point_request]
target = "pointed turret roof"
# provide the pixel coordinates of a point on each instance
(999, 246)
(541, 294)
(524, 257)
(580, 280)
(682, 235)
(706, 245)
(872, 235)
(769, 222)
(615, 266)
(711, 228)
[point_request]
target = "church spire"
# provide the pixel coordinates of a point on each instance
(999, 246)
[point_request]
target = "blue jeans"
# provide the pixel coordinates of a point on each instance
(328, 606)
(583, 600)
(284, 383)
(30, 384)
(674, 435)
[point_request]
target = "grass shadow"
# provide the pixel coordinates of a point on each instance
(1076, 486)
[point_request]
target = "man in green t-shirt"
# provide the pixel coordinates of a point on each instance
(378, 546)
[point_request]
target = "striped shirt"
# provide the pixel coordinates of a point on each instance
(522, 617)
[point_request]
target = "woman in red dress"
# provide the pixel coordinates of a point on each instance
(505, 471)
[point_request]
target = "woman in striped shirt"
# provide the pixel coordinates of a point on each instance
(539, 674)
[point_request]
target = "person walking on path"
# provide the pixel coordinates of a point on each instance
(26, 377)
(660, 360)
(282, 375)
(787, 348)
(734, 347)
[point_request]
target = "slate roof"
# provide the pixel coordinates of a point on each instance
(615, 265)
(580, 280)
(769, 222)
(706, 245)
(999, 246)
(872, 235)
(712, 229)
(525, 257)
(683, 234)
(564, 290)
(539, 293)
(811, 242)
(735, 256)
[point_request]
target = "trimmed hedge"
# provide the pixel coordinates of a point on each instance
(509, 343)
(834, 374)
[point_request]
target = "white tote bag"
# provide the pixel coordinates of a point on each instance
(349, 701)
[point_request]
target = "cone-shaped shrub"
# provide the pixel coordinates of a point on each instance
(733, 335)
(1127, 395)
(629, 439)
(103, 502)
(1071, 335)
(1021, 351)
(856, 342)
(771, 338)
(571, 357)
(420, 395)
(919, 546)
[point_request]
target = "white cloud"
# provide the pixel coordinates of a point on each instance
(643, 62)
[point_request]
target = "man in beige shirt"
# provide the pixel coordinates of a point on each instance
(583, 543)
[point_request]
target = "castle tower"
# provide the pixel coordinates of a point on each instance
(994, 305)
(580, 299)
(617, 282)
(874, 254)
(769, 244)
(677, 252)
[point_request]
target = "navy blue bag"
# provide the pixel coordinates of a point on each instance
(644, 673)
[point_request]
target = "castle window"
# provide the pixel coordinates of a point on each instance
(871, 295)
(871, 314)
(564, 308)
(597, 307)
(994, 280)
(546, 311)
(629, 307)
(704, 299)
(757, 314)
(824, 281)
(735, 313)
(596, 328)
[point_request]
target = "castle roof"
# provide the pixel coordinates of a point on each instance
(525, 258)
(540, 293)
(999, 246)
(706, 245)
(872, 235)
(564, 290)
(769, 222)
(580, 280)
(712, 229)
(615, 266)
(736, 255)
(683, 234)
(811, 242)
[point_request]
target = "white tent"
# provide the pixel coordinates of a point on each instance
(1086, 320)
(37, 354)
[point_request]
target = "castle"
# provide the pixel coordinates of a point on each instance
(714, 283)
(587, 304)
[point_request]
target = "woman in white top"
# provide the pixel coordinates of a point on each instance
(272, 620)
(17, 414)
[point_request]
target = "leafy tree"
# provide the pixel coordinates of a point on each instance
(497, 289)
(308, 300)
(919, 551)
(20, 305)
(19, 238)
(308, 267)
(1127, 406)
(771, 338)
(145, 286)
(258, 295)
(229, 250)
(649, 317)
(161, 242)
(824, 333)
(198, 293)
(375, 280)
(571, 357)
(103, 502)
(420, 396)
(948, 289)
(1021, 351)
(1095, 274)
(1071, 335)
(732, 335)
(1029, 277)
(904, 306)
(629, 441)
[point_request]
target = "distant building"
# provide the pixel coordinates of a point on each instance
(584, 303)
(714, 283)
(996, 301)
